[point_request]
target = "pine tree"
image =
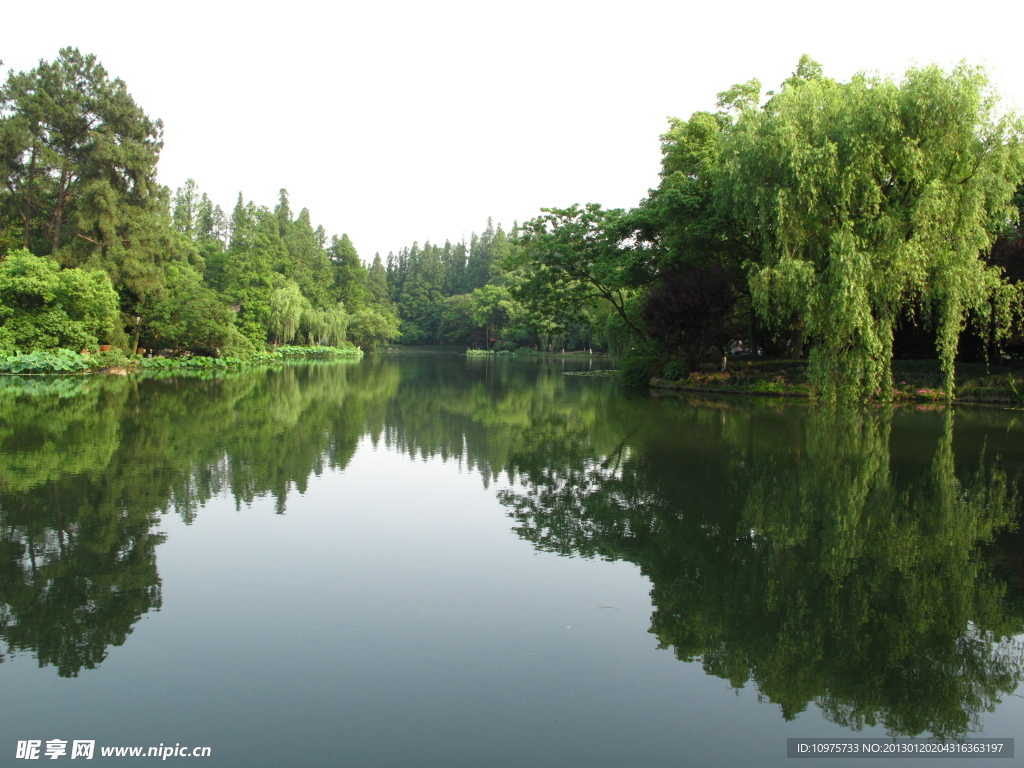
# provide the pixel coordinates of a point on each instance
(350, 276)
(86, 185)
(307, 264)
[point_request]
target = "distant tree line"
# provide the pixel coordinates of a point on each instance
(848, 222)
(471, 295)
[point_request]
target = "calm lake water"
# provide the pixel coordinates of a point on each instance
(442, 561)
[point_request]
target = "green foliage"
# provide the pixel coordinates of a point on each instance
(344, 350)
(78, 159)
(113, 358)
(43, 307)
(454, 294)
(191, 361)
(373, 327)
(420, 294)
(377, 284)
(1017, 394)
(237, 345)
(287, 352)
(350, 275)
(285, 311)
(637, 366)
(307, 262)
(871, 201)
(675, 370)
(572, 256)
(832, 211)
(693, 310)
(58, 361)
(458, 324)
(84, 183)
(490, 307)
(326, 326)
(188, 312)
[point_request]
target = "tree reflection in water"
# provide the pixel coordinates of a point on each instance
(793, 550)
(88, 466)
(860, 560)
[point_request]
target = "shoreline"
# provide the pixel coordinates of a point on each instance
(915, 381)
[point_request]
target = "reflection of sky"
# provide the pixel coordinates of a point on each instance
(391, 617)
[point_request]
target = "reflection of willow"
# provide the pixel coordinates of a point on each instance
(806, 558)
(84, 475)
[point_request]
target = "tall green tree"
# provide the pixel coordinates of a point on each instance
(308, 263)
(420, 295)
(249, 276)
(490, 308)
(377, 283)
(85, 183)
(286, 307)
(349, 274)
(572, 256)
(185, 208)
(189, 312)
(873, 201)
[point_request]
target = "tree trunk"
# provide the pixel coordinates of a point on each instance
(58, 213)
(796, 341)
(135, 340)
(26, 212)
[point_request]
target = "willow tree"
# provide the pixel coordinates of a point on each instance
(873, 200)
(287, 305)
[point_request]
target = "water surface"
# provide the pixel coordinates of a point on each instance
(420, 561)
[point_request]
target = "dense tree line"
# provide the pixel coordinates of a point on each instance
(826, 217)
(845, 221)
(80, 206)
(474, 295)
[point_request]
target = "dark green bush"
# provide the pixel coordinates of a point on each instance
(675, 370)
(636, 367)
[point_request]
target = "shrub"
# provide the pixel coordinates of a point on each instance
(44, 307)
(636, 367)
(675, 370)
(58, 361)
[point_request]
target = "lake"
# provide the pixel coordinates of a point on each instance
(435, 560)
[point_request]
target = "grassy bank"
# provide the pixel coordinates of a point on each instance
(915, 380)
(65, 361)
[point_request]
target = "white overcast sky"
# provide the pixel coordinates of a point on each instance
(406, 121)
